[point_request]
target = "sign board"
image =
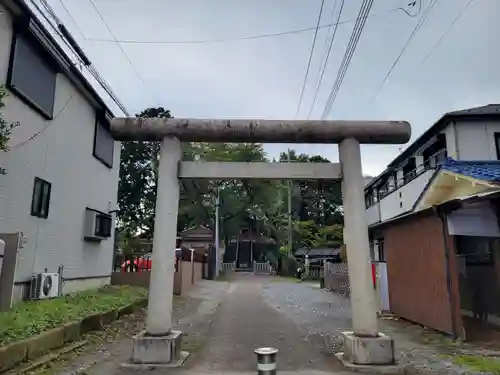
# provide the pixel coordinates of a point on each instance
(477, 220)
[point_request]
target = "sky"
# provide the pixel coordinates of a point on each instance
(263, 78)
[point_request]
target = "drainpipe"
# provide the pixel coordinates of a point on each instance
(441, 213)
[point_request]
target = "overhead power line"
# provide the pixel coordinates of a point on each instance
(413, 4)
(136, 72)
(72, 18)
(327, 57)
(358, 28)
(310, 58)
(236, 39)
(41, 130)
(445, 34)
(417, 27)
(91, 69)
(346, 60)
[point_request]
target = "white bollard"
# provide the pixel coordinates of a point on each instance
(266, 361)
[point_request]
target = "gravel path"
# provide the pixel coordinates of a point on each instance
(245, 322)
(324, 315)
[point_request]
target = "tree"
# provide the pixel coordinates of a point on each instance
(6, 127)
(137, 183)
(319, 201)
(241, 201)
(255, 205)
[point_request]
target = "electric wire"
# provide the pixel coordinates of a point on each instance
(310, 58)
(134, 69)
(412, 4)
(72, 18)
(417, 27)
(243, 38)
(91, 69)
(358, 28)
(346, 60)
(45, 127)
(328, 34)
(445, 34)
(327, 57)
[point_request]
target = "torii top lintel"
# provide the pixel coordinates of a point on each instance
(260, 131)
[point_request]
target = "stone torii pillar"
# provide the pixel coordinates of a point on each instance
(159, 345)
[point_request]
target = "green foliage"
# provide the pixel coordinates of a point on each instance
(137, 183)
(290, 266)
(319, 201)
(33, 317)
(308, 234)
(127, 243)
(6, 127)
(284, 251)
(478, 363)
(254, 205)
(243, 204)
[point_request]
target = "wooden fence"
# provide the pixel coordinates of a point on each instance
(190, 268)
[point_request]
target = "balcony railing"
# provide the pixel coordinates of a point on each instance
(430, 163)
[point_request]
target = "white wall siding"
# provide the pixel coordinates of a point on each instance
(403, 199)
(476, 140)
(373, 214)
(60, 152)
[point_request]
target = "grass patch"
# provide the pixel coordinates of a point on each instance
(33, 317)
(478, 363)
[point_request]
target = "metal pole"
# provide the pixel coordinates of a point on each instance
(290, 237)
(217, 239)
(266, 361)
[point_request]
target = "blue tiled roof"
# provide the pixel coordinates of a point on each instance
(488, 170)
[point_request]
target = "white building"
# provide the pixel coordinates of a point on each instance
(62, 170)
(471, 134)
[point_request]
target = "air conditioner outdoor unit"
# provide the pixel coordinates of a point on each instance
(44, 285)
(98, 225)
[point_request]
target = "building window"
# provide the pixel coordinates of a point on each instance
(103, 225)
(383, 190)
(497, 145)
(410, 170)
(475, 251)
(31, 76)
(104, 144)
(41, 198)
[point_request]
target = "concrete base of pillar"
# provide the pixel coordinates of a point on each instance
(157, 351)
(367, 351)
(371, 369)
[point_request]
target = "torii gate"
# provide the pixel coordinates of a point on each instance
(159, 345)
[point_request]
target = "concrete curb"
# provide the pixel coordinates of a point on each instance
(37, 346)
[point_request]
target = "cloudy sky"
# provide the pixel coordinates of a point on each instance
(262, 78)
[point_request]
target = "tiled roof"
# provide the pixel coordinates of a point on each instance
(488, 170)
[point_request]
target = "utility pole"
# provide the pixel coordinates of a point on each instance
(217, 240)
(289, 183)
